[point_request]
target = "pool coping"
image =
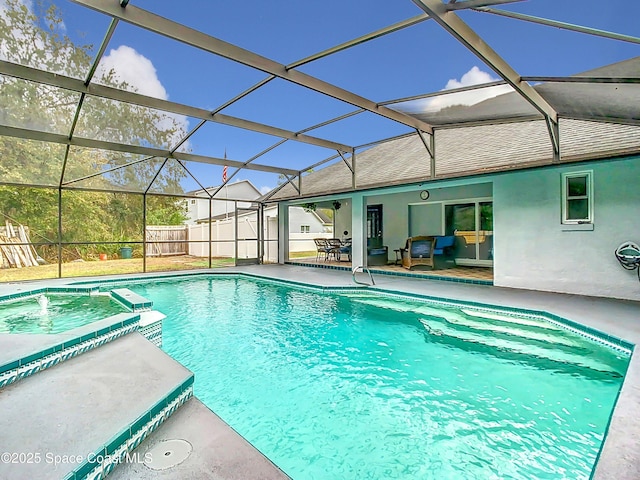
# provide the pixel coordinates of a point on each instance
(619, 458)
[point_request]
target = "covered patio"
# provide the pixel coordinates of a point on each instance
(479, 275)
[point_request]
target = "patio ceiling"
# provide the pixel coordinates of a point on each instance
(348, 116)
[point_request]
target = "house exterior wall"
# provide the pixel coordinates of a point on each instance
(533, 250)
(342, 220)
(398, 210)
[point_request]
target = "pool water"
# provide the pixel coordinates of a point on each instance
(361, 386)
(63, 312)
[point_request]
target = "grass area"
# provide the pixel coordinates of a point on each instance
(310, 253)
(111, 267)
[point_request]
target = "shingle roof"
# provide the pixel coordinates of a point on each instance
(469, 151)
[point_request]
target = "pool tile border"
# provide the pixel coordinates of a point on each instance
(397, 274)
(10, 297)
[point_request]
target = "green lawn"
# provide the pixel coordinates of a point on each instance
(111, 267)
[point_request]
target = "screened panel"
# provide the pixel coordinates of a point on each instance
(361, 129)
(408, 62)
(534, 49)
(579, 139)
(129, 64)
(294, 155)
(599, 100)
(217, 140)
(335, 176)
(480, 148)
(35, 210)
(28, 233)
(263, 182)
(97, 259)
(270, 234)
(110, 170)
(168, 181)
(393, 162)
(58, 37)
(198, 245)
(280, 103)
(46, 269)
(34, 106)
(131, 178)
(247, 225)
(488, 103)
(184, 262)
(201, 175)
(171, 244)
(120, 122)
(30, 162)
(101, 217)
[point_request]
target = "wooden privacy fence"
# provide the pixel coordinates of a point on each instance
(177, 235)
(13, 255)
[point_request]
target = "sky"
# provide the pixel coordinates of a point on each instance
(421, 59)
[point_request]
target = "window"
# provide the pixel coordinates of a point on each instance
(305, 228)
(193, 202)
(577, 198)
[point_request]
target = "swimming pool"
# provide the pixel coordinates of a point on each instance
(364, 385)
(58, 313)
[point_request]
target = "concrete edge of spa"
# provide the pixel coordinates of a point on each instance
(620, 456)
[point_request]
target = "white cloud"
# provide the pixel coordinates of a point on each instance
(474, 76)
(135, 69)
(264, 190)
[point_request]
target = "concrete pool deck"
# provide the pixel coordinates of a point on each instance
(620, 457)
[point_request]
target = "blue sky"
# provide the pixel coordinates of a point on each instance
(417, 60)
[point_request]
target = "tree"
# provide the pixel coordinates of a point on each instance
(35, 36)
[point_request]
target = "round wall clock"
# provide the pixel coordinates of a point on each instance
(424, 194)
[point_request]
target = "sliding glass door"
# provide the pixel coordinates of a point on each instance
(471, 222)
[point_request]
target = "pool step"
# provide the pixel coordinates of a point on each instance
(528, 335)
(24, 355)
(87, 413)
(532, 328)
(559, 354)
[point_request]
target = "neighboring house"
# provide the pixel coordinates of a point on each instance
(305, 221)
(198, 208)
(543, 222)
(304, 227)
(300, 220)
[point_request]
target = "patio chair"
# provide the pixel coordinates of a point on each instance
(322, 248)
(345, 249)
(418, 251)
(443, 252)
(333, 248)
